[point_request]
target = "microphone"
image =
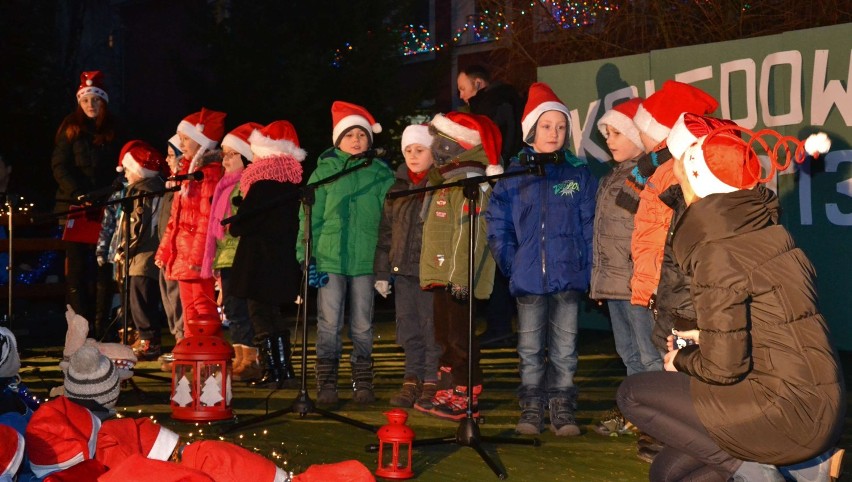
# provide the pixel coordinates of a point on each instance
(370, 153)
(116, 185)
(191, 176)
(538, 158)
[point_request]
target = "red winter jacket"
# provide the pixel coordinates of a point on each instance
(182, 246)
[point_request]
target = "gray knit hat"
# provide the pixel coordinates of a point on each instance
(92, 376)
(10, 362)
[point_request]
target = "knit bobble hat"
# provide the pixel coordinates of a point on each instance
(92, 376)
(659, 112)
(10, 362)
(416, 134)
(620, 118)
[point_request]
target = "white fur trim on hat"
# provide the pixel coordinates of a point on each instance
(264, 146)
(238, 145)
(622, 124)
(174, 143)
(493, 170)
(646, 123)
(92, 90)
(416, 134)
(130, 164)
(529, 121)
(701, 178)
(195, 134)
(355, 120)
(680, 138)
(456, 131)
(164, 445)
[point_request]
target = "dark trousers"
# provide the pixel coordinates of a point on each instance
(266, 319)
(236, 311)
(501, 308)
(415, 328)
(145, 307)
(451, 333)
(660, 404)
(170, 295)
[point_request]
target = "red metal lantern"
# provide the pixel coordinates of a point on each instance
(201, 379)
(395, 441)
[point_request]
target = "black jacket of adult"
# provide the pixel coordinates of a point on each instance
(400, 230)
(80, 167)
(766, 380)
(264, 267)
(502, 104)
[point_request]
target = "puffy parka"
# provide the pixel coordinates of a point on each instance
(401, 230)
(540, 227)
(346, 214)
(766, 380)
(182, 247)
(144, 239)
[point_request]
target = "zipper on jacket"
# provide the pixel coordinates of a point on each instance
(543, 186)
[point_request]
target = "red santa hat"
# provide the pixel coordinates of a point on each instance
(225, 461)
(60, 434)
(277, 139)
(140, 469)
(92, 83)
(238, 139)
(11, 450)
(85, 471)
(659, 112)
(722, 162)
(471, 130)
(205, 127)
(416, 134)
(348, 470)
(120, 438)
(540, 100)
(688, 129)
(141, 158)
(620, 118)
(345, 116)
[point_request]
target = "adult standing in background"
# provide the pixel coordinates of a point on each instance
(83, 160)
(501, 103)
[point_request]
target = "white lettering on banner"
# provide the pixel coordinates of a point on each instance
(583, 144)
(832, 211)
(793, 58)
(695, 75)
(628, 92)
(824, 96)
(725, 70)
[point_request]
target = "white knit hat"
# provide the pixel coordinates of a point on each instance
(416, 134)
(10, 362)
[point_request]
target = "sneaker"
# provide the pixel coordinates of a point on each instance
(613, 424)
(409, 393)
(824, 467)
(146, 350)
(456, 407)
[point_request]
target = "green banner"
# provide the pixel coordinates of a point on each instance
(797, 83)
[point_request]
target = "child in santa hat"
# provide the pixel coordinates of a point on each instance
(345, 225)
(222, 246)
(540, 233)
(181, 250)
(264, 270)
(398, 262)
(464, 145)
(142, 165)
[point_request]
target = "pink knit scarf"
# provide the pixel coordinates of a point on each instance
(281, 168)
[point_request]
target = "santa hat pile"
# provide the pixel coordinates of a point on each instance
(416, 134)
(141, 158)
(140, 469)
(540, 100)
(225, 461)
(11, 451)
(345, 116)
(92, 83)
(659, 112)
(123, 437)
(471, 130)
(277, 139)
(620, 118)
(10, 361)
(238, 139)
(722, 162)
(60, 434)
(92, 377)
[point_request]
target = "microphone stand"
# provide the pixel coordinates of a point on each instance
(302, 404)
(9, 269)
(467, 434)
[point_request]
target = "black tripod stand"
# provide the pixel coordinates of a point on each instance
(303, 405)
(467, 434)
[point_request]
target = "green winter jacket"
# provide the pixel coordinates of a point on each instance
(444, 255)
(227, 246)
(346, 214)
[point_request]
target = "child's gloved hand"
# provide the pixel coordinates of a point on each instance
(459, 292)
(383, 287)
(315, 278)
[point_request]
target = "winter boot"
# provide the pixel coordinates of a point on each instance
(237, 362)
(562, 421)
(428, 391)
(532, 416)
(409, 394)
(362, 381)
(271, 369)
(250, 368)
(283, 352)
(326, 369)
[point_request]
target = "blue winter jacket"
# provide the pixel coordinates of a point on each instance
(540, 227)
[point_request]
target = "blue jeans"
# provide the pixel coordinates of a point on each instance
(632, 326)
(330, 306)
(547, 343)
